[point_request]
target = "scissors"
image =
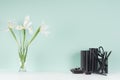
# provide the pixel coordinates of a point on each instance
(103, 60)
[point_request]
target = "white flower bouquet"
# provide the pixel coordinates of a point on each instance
(20, 33)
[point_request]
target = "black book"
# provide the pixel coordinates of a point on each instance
(93, 59)
(88, 63)
(83, 60)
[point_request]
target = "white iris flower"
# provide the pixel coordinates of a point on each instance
(44, 29)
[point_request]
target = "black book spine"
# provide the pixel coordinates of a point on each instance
(83, 60)
(94, 56)
(88, 70)
(92, 59)
(96, 61)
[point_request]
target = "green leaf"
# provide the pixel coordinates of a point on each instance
(34, 36)
(24, 36)
(26, 50)
(14, 36)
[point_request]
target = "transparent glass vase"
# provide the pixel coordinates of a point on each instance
(22, 69)
(22, 56)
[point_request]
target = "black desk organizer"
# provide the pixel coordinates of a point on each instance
(94, 60)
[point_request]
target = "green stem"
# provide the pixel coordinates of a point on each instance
(36, 33)
(13, 34)
(22, 65)
(24, 36)
(22, 55)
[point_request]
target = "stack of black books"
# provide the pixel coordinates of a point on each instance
(94, 60)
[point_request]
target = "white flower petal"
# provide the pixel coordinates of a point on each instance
(46, 33)
(28, 25)
(30, 30)
(27, 18)
(19, 28)
(44, 29)
(11, 24)
(26, 21)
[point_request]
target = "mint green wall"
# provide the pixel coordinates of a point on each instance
(74, 25)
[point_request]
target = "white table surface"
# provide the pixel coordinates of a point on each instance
(56, 76)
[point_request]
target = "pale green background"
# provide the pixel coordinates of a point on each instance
(74, 25)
